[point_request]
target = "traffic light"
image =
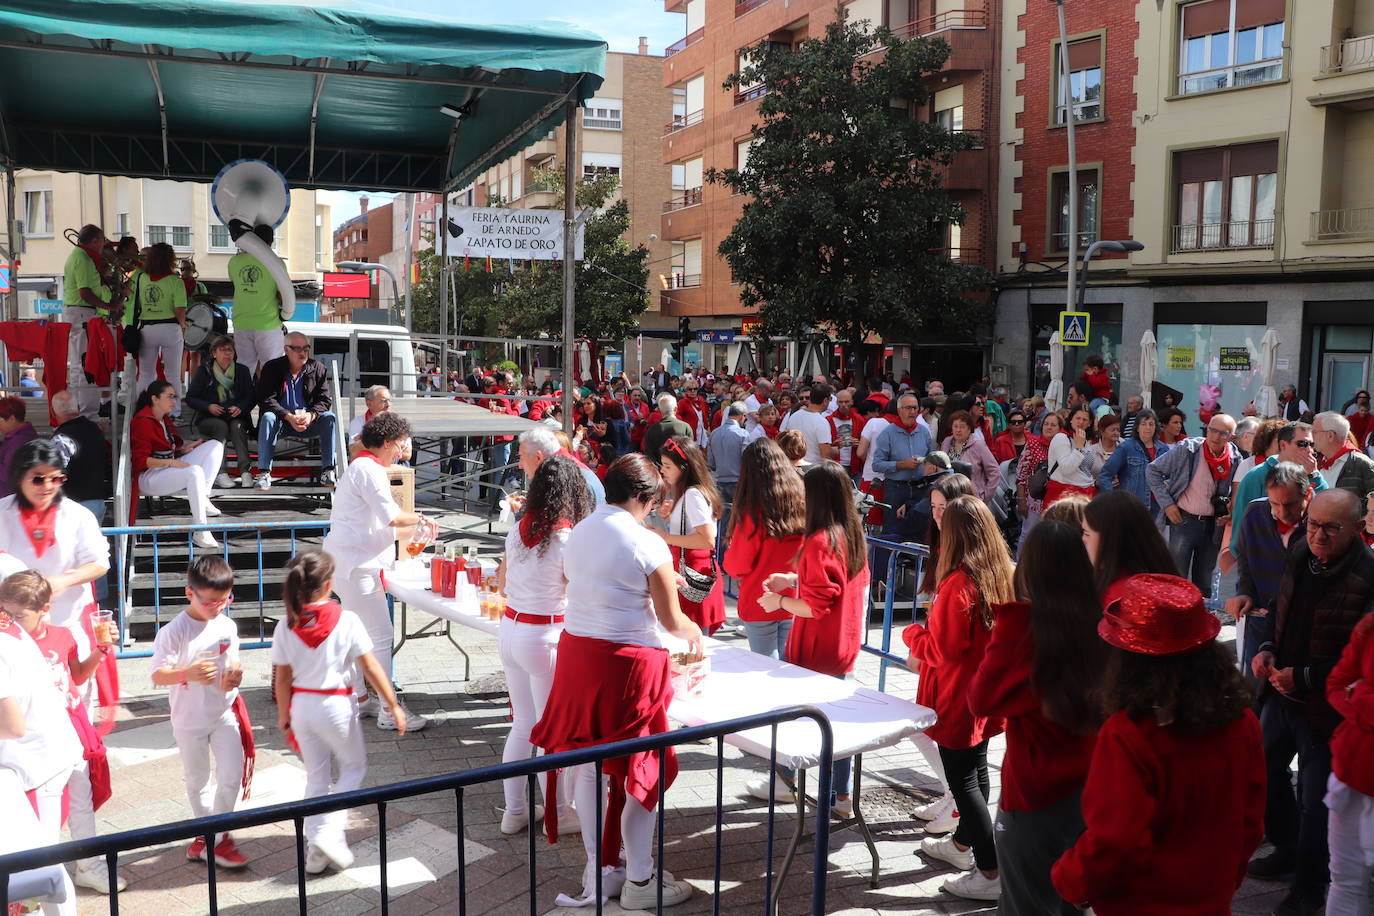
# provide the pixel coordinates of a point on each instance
(684, 331)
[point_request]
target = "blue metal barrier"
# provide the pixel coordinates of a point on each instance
(180, 536)
(111, 846)
(894, 549)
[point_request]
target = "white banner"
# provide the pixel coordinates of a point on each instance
(499, 232)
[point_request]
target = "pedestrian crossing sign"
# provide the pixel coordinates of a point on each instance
(1073, 329)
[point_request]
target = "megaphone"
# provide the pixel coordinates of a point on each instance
(248, 194)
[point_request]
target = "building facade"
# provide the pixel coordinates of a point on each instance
(151, 211)
(365, 237)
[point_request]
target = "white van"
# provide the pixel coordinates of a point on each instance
(386, 355)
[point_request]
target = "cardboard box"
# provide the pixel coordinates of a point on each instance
(402, 486)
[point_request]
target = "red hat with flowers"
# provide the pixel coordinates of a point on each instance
(1158, 615)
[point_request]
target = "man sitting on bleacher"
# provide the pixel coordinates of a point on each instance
(293, 399)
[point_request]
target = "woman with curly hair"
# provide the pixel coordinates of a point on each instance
(975, 573)
(536, 588)
(1174, 801)
(693, 509)
(765, 533)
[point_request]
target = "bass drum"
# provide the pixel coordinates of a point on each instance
(204, 322)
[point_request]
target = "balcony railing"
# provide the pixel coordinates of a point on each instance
(748, 95)
(1246, 233)
(683, 281)
(1336, 225)
(744, 6)
(1348, 56)
(682, 44)
(949, 19)
(688, 198)
(682, 122)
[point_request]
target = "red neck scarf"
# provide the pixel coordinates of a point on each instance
(771, 431)
(907, 426)
(527, 529)
(1219, 466)
(1368, 538)
(1284, 529)
(316, 622)
(366, 454)
(1346, 448)
(155, 277)
(38, 525)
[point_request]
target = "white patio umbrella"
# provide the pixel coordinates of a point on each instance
(1149, 365)
(1267, 401)
(1054, 391)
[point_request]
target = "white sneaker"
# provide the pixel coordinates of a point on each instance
(758, 787)
(369, 708)
(204, 539)
(944, 850)
(97, 878)
(931, 810)
(315, 861)
(513, 822)
(212, 510)
(843, 808)
(645, 896)
(245, 480)
(939, 815)
(262, 482)
(974, 885)
(336, 851)
(414, 721)
(224, 481)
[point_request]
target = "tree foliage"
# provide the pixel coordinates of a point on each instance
(847, 220)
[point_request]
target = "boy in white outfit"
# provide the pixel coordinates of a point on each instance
(197, 655)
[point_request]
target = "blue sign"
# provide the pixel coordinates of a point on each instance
(47, 306)
(716, 337)
(613, 363)
(4, 279)
(692, 355)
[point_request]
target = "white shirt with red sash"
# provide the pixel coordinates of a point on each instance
(322, 654)
(55, 542)
(360, 531)
(50, 747)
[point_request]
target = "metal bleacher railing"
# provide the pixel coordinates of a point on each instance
(110, 847)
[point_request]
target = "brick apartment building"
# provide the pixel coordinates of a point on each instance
(365, 237)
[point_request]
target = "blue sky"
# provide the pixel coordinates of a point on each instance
(620, 22)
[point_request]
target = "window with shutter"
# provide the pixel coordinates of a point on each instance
(1085, 81)
(1226, 196)
(1229, 43)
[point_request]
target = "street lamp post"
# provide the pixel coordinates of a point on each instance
(1120, 247)
(368, 265)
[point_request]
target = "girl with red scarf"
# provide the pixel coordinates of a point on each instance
(693, 512)
(317, 654)
(536, 588)
(612, 682)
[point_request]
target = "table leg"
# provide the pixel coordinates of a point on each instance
(859, 821)
(799, 793)
(447, 631)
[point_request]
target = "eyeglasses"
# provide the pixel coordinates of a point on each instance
(1220, 433)
(1327, 529)
(39, 480)
(219, 603)
(1304, 443)
(298, 349)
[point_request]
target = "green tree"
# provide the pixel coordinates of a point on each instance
(470, 293)
(846, 223)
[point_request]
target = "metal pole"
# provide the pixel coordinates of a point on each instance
(569, 254)
(410, 258)
(1073, 157)
(441, 243)
(12, 241)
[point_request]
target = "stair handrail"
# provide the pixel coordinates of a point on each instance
(123, 478)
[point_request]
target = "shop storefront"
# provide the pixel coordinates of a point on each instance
(1336, 352)
(1104, 339)
(1209, 355)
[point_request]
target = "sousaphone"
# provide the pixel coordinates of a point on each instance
(248, 194)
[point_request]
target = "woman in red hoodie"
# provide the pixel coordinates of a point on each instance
(975, 573)
(163, 465)
(1350, 789)
(826, 596)
(1174, 803)
(766, 524)
(1041, 673)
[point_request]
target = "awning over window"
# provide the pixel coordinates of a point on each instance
(339, 95)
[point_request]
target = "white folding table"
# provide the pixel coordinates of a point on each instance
(409, 582)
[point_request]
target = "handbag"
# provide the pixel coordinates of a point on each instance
(1039, 481)
(132, 336)
(697, 585)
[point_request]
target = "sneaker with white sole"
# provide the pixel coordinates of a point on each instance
(262, 482)
(939, 815)
(245, 480)
(513, 822)
(328, 478)
(843, 808)
(974, 885)
(414, 721)
(205, 539)
(212, 510)
(943, 849)
(336, 851)
(369, 708)
(932, 810)
(224, 481)
(758, 787)
(645, 896)
(315, 861)
(97, 878)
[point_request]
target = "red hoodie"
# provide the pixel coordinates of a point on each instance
(827, 642)
(752, 556)
(1352, 746)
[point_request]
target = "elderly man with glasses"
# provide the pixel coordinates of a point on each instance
(1342, 463)
(898, 455)
(294, 401)
(378, 400)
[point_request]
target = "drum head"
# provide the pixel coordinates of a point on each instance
(200, 325)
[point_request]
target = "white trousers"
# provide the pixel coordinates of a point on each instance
(204, 461)
(223, 742)
(527, 653)
(87, 399)
(80, 810)
(253, 348)
(163, 340)
(360, 591)
(1350, 838)
(636, 826)
(328, 730)
(49, 799)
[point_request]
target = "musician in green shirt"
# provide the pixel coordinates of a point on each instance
(84, 296)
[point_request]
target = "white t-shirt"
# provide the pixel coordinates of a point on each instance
(50, 747)
(816, 428)
(751, 406)
(697, 509)
(844, 429)
(872, 427)
(331, 664)
(197, 707)
(76, 541)
(608, 559)
(360, 533)
(536, 583)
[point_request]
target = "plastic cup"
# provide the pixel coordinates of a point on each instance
(104, 626)
(474, 574)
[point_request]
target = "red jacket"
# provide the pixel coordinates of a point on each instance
(856, 425)
(1352, 746)
(1101, 382)
(752, 556)
(1003, 449)
(950, 648)
(1169, 826)
(149, 438)
(1045, 763)
(828, 642)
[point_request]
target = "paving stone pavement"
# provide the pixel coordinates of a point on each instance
(467, 731)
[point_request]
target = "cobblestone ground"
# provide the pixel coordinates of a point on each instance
(467, 730)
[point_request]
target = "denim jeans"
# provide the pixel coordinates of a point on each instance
(1193, 544)
(840, 783)
(498, 456)
(272, 427)
(769, 637)
(1296, 824)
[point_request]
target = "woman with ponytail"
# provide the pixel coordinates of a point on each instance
(319, 651)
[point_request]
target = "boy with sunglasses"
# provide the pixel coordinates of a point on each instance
(197, 656)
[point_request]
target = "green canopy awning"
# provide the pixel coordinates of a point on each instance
(339, 95)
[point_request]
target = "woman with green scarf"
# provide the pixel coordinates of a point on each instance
(221, 394)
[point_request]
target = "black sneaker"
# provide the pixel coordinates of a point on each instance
(1298, 903)
(1275, 866)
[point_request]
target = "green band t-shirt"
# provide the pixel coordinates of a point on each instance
(160, 298)
(80, 273)
(255, 294)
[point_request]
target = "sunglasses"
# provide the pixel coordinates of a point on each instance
(39, 479)
(1016, 422)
